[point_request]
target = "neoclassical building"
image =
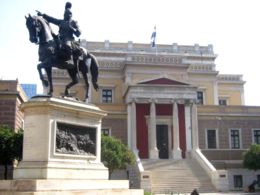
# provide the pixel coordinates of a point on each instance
(171, 104)
(12, 96)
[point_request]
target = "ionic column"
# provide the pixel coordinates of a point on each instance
(176, 152)
(194, 125)
(188, 127)
(129, 125)
(153, 151)
(133, 128)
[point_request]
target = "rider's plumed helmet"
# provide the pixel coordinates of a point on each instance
(67, 12)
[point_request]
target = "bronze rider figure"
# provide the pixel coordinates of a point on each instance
(67, 29)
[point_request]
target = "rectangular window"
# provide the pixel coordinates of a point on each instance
(256, 133)
(105, 131)
(200, 97)
(211, 138)
(222, 102)
(107, 95)
(238, 181)
(234, 139)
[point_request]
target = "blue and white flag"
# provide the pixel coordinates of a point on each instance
(153, 37)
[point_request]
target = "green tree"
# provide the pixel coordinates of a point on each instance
(251, 158)
(11, 144)
(114, 154)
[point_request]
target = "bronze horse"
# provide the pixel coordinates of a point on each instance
(41, 33)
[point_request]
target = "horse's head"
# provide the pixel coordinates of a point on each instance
(33, 27)
(39, 29)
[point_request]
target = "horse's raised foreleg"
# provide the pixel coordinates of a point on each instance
(73, 75)
(39, 68)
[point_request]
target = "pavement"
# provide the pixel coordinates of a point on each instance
(220, 193)
(231, 193)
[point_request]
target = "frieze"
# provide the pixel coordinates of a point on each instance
(155, 59)
(75, 140)
(202, 68)
(111, 65)
(160, 94)
(227, 77)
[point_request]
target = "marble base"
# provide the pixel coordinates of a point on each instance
(66, 187)
(60, 170)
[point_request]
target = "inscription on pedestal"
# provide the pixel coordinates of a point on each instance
(76, 140)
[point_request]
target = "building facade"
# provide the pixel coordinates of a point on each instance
(170, 102)
(11, 97)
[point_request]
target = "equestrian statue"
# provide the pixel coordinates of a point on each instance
(61, 51)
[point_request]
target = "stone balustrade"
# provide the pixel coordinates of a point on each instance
(146, 48)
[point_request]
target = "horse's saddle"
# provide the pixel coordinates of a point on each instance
(67, 57)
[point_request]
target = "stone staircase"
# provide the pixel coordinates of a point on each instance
(177, 176)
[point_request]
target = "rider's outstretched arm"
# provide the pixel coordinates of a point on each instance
(49, 18)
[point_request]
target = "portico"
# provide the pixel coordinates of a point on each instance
(160, 124)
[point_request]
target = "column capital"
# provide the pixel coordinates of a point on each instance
(187, 101)
(178, 101)
(193, 101)
(181, 101)
(172, 101)
(153, 100)
(134, 100)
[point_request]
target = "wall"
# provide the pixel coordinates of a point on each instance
(232, 92)
(11, 97)
(8, 111)
(118, 127)
(223, 118)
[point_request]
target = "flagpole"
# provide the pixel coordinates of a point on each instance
(153, 40)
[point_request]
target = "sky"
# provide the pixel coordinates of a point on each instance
(231, 26)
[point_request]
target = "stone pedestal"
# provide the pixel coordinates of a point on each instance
(61, 140)
(61, 151)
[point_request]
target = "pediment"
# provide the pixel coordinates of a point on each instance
(163, 81)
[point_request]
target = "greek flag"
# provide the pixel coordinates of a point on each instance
(153, 37)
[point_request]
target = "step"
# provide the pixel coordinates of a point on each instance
(177, 176)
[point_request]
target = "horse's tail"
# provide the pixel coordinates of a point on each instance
(94, 70)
